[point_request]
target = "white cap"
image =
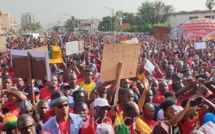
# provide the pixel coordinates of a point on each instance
(104, 128)
(101, 102)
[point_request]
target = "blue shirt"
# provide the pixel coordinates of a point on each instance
(71, 101)
(75, 124)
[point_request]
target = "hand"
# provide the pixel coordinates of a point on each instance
(115, 108)
(3, 92)
(188, 106)
(147, 87)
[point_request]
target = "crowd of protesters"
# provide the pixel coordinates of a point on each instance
(177, 98)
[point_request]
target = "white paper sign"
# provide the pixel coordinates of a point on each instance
(72, 47)
(149, 66)
(208, 128)
(200, 45)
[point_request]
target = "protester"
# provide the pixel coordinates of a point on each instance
(26, 124)
(67, 122)
(46, 92)
(180, 72)
(10, 124)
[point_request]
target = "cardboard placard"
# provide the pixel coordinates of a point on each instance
(161, 33)
(54, 35)
(115, 53)
(39, 63)
(208, 128)
(81, 46)
(44, 48)
(165, 37)
(200, 45)
(3, 43)
(72, 47)
(109, 39)
(126, 26)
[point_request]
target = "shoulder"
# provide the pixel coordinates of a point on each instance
(43, 89)
(76, 120)
(75, 117)
(49, 124)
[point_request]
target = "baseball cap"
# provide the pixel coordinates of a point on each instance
(58, 71)
(36, 90)
(57, 97)
(104, 128)
(64, 86)
(101, 102)
(25, 104)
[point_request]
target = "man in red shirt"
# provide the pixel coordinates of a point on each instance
(163, 88)
(64, 122)
(148, 115)
(126, 95)
(45, 93)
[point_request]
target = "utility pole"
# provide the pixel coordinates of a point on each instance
(111, 18)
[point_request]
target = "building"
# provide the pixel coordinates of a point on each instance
(27, 18)
(7, 23)
(175, 19)
(88, 24)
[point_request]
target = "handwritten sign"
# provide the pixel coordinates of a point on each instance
(149, 66)
(200, 45)
(208, 128)
(72, 47)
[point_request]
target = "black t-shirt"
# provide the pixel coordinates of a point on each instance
(176, 130)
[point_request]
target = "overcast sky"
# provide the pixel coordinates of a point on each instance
(48, 12)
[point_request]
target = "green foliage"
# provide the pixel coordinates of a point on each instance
(31, 27)
(210, 4)
(71, 23)
(146, 27)
(149, 15)
(154, 12)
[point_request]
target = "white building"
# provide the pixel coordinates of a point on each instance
(175, 19)
(88, 24)
(27, 18)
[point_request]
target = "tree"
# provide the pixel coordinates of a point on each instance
(158, 6)
(167, 10)
(146, 12)
(71, 23)
(105, 24)
(153, 12)
(210, 4)
(31, 27)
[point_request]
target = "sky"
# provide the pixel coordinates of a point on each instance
(49, 12)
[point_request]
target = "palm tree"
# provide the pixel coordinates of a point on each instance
(167, 9)
(146, 12)
(159, 6)
(210, 4)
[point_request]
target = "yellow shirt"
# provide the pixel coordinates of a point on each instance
(88, 87)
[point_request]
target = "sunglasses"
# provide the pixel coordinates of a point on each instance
(61, 106)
